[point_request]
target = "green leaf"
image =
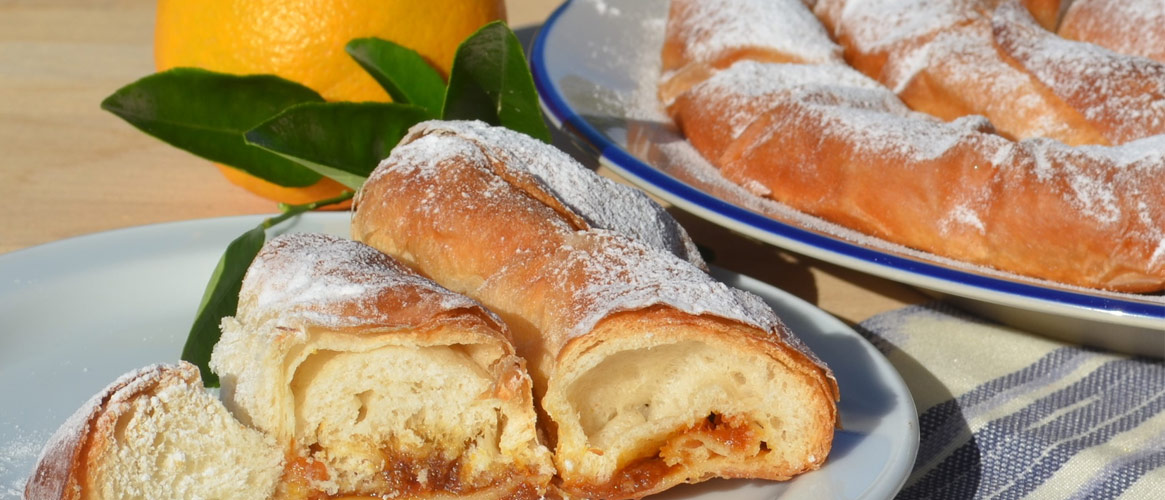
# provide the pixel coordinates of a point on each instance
(491, 82)
(220, 299)
(342, 140)
(206, 113)
(403, 73)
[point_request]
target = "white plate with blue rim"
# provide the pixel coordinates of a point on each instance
(77, 313)
(595, 64)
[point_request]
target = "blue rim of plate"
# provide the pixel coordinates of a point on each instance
(927, 275)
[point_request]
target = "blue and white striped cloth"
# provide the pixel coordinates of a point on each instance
(1005, 414)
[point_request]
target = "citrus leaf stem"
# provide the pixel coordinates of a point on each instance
(288, 211)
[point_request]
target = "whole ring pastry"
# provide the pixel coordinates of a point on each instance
(964, 128)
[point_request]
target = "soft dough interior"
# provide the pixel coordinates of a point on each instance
(182, 443)
(683, 401)
(379, 417)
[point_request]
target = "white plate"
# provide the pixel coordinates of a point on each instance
(595, 65)
(76, 314)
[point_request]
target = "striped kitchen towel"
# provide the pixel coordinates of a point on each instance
(1006, 414)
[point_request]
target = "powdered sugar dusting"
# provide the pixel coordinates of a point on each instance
(1002, 91)
(742, 88)
(57, 455)
(1124, 94)
(917, 140)
(1108, 183)
(858, 108)
(40, 447)
(680, 159)
(332, 282)
(419, 156)
(880, 25)
(628, 270)
(719, 26)
(14, 457)
(624, 275)
(602, 202)
(964, 215)
(1114, 187)
(1159, 254)
(1127, 26)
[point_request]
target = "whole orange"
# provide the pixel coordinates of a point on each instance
(303, 41)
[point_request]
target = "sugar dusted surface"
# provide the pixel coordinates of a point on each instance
(1095, 192)
(314, 277)
(968, 52)
(878, 25)
(718, 26)
(1138, 21)
(859, 107)
(633, 269)
(749, 82)
(1106, 86)
(57, 454)
(605, 8)
(625, 275)
(602, 202)
(660, 145)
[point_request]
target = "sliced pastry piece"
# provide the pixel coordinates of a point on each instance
(156, 433)
(375, 380)
(650, 372)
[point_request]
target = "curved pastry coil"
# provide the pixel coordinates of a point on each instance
(1019, 162)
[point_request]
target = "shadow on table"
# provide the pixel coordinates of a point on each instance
(948, 451)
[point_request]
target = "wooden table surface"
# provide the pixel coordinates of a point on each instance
(67, 168)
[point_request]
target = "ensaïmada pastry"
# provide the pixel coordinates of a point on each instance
(375, 381)
(963, 128)
(647, 371)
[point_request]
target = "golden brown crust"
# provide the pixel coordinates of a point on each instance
(389, 382)
(465, 250)
(63, 470)
(837, 147)
(1132, 27)
(317, 280)
(60, 469)
(1045, 12)
(953, 69)
(692, 52)
(677, 460)
(1122, 98)
(572, 296)
(354, 301)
